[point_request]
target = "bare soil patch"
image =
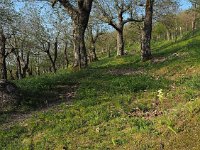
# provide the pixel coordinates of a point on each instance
(60, 94)
(126, 71)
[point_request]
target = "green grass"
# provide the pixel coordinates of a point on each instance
(114, 105)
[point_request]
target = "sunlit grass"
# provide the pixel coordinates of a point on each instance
(120, 103)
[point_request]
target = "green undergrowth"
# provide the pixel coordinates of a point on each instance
(120, 103)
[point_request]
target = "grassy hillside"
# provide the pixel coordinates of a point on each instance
(116, 103)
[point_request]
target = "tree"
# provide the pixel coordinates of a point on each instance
(52, 57)
(195, 10)
(7, 23)
(115, 14)
(94, 30)
(195, 2)
(165, 7)
(79, 11)
(146, 31)
(44, 36)
(3, 55)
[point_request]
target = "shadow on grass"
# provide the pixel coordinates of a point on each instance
(38, 93)
(100, 86)
(95, 82)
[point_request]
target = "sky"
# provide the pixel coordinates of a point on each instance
(185, 4)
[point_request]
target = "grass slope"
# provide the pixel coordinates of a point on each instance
(120, 103)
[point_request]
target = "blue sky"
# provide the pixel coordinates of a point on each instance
(185, 4)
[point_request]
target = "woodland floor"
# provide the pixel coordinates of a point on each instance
(59, 94)
(116, 103)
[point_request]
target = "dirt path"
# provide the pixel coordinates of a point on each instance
(62, 94)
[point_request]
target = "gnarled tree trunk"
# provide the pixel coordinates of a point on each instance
(93, 40)
(54, 57)
(3, 56)
(146, 32)
(25, 67)
(80, 25)
(80, 15)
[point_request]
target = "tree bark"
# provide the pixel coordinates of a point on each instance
(168, 35)
(94, 55)
(193, 25)
(120, 43)
(80, 16)
(120, 36)
(93, 39)
(25, 65)
(55, 55)
(146, 32)
(4, 69)
(54, 58)
(66, 56)
(3, 56)
(19, 68)
(76, 49)
(11, 75)
(79, 42)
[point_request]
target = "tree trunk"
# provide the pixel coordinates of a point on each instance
(4, 69)
(80, 53)
(94, 55)
(120, 36)
(93, 38)
(11, 75)
(80, 21)
(83, 52)
(76, 49)
(37, 68)
(168, 35)
(80, 16)
(146, 32)
(52, 60)
(193, 25)
(54, 67)
(181, 32)
(194, 19)
(120, 43)
(19, 68)
(3, 56)
(25, 66)
(109, 55)
(66, 55)
(55, 55)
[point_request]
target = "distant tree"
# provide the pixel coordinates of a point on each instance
(94, 30)
(117, 13)
(46, 34)
(132, 35)
(107, 43)
(159, 31)
(165, 7)
(7, 25)
(195, 11)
